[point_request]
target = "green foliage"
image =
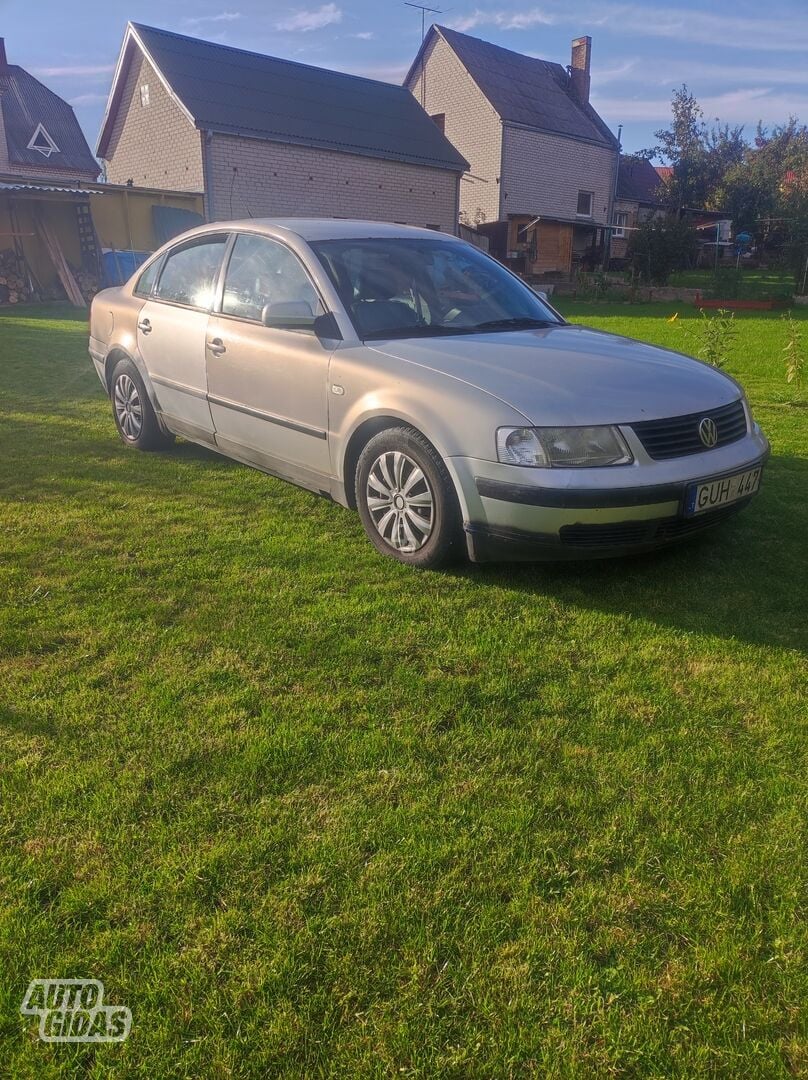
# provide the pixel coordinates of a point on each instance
(712, 337)
(659, 246)
(795, 357)
(700, 156)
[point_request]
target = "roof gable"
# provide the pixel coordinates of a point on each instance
(523, 89)
(243, 93)
(41, 128)
(638, 179)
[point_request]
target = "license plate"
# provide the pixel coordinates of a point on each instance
(714, 493)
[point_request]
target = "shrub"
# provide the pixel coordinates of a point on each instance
(659, 246)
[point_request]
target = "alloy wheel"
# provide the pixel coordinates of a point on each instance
(128, 408)
(400, 501)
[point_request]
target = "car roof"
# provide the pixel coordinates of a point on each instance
(321, 228)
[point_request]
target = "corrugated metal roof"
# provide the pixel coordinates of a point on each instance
(638, 179)
(244, 93)
(26, 104)
(524, 89)
(4, 186)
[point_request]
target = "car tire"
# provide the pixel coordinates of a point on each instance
(132, 411)
(406, 499)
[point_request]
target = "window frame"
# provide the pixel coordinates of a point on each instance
(218, 298)
(619, 231)
(141, 273)
(591, 212)
(194, 241)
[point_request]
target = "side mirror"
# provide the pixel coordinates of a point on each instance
(324, 326)
(284, 320)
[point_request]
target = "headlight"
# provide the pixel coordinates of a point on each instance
(565, 448)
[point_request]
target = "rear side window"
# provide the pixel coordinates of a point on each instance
(189, 273)
(145, 283)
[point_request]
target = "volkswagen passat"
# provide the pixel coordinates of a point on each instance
(407, 374)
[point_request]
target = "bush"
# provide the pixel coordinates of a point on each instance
(659, 246)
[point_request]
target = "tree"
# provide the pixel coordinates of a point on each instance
(700, 155)
(661, 245)
(682, 145)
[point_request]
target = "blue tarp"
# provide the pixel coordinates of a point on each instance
(118, 266)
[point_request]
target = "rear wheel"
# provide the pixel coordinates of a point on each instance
(134, 416)
(406, 499)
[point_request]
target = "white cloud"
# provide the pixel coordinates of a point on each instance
(201, 20)
(311, 20)
(503, 20)
(88, 99)
(80, 70)
(745, 106)
(727, 31)
(366, 35)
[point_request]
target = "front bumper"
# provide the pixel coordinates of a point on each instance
(513, 513)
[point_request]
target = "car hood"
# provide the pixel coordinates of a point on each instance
(573, 375)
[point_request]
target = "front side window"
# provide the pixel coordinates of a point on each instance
(189, 273)
(401, 287)
(263, 275)
(585, 201)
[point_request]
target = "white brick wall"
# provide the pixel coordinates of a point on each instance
(443, 85)
(543, 174)
(154, 145)
(278, 179)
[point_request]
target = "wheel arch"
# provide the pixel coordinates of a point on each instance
(113, 357)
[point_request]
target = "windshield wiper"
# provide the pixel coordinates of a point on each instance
(517, 323)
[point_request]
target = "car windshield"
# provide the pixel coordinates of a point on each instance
(401, 287)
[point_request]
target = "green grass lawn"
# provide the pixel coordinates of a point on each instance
(310, 813)
(729, 283)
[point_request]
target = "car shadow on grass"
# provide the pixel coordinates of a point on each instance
(745, 579)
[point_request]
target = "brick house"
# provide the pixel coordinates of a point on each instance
(542, 163)
(262, 136)
(637, 199)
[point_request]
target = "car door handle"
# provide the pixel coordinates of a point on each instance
(144, 326)
(217, 346)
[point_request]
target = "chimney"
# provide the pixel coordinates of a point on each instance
(3, 61)
(579, 67)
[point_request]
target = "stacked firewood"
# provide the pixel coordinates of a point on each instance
(87, 282)
(13, 286)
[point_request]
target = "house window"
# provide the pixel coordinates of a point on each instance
(620, 224)
(439, 119)
(585, 201)
(144, 95)
(42, 142)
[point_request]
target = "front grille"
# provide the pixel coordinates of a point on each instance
(679, 435)
(636, 533)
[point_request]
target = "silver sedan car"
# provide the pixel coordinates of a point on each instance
(406, 374)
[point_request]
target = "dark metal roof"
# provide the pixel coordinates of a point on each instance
(26, 104)
(245, 93)
(523, 89)
(638, 179)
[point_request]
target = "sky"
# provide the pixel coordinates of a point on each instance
(744, 61)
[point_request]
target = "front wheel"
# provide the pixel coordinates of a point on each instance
(135, 418)
(406, 499)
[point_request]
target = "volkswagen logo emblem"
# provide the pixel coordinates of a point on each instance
(708, 432)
